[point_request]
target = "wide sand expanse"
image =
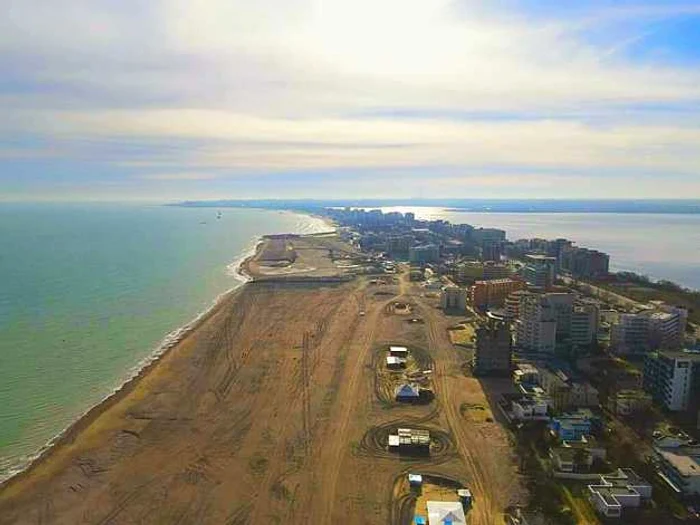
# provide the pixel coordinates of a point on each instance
(268, 413)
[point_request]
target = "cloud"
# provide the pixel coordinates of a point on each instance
(201, 91)
(179, 176)
(240, 141)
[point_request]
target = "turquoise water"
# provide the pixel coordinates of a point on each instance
(663, 246)
(87, 292)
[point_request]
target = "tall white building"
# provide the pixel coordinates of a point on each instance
(584, 324)
(672, 378)
(536, 325)
(661, 328)
(562, 304)
(539, 270)
(630, 334)
(667, 327)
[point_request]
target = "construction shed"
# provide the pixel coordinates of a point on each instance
(394, 362)
(398, 351)
(415, 480)
(410, 438)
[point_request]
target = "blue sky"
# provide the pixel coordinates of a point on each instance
(173, 99)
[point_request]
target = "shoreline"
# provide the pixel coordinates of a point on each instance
(237, 269)
(171, 342)
(173, 339)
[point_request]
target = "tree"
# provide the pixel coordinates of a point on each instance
(581, 457)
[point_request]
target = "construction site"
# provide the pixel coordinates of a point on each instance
(403, 378)
(281, 407)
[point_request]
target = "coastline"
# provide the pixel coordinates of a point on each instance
(170, 343)
(132, 376)
(175, 338)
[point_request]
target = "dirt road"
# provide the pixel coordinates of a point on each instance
(483, 447)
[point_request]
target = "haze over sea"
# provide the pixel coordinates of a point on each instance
(87, 293)
(660, 245)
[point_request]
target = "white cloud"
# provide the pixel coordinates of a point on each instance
(192, 176)
(274, 85)
(240, 141)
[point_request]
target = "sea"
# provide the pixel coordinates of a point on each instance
(90, 293)
(659, 245)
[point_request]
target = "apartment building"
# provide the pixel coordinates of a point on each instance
(493, 354)
(584, 263)
(672, 378)
(680, 468)
(398, 246)
(512, 304)
(493, 270)
(584, 324)
(426, 253)
(630, 334)
(454, 298)
(536, 325)
(667, 327)
(493, 293)
(660, 326)
(539, 270)
(562, 304)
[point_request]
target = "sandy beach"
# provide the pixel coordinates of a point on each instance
(266, 412)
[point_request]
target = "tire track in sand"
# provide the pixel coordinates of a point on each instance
(347, 398)
(260, 504)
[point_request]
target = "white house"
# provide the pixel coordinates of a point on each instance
(624, 489)
(530, 407)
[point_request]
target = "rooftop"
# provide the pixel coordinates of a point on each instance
(407, 390)
(494, 282)
(527, 368)
(632, 394)
(410, 437)
(565, 453)
(540, 258)
(692, 355)
(608, 493)
(445, 512)
(622, 483)
(685, 460)
(625, 477)
(661, 315)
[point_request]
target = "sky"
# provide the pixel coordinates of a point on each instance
(173, 99)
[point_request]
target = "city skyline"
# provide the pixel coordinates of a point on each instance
(299, 99)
